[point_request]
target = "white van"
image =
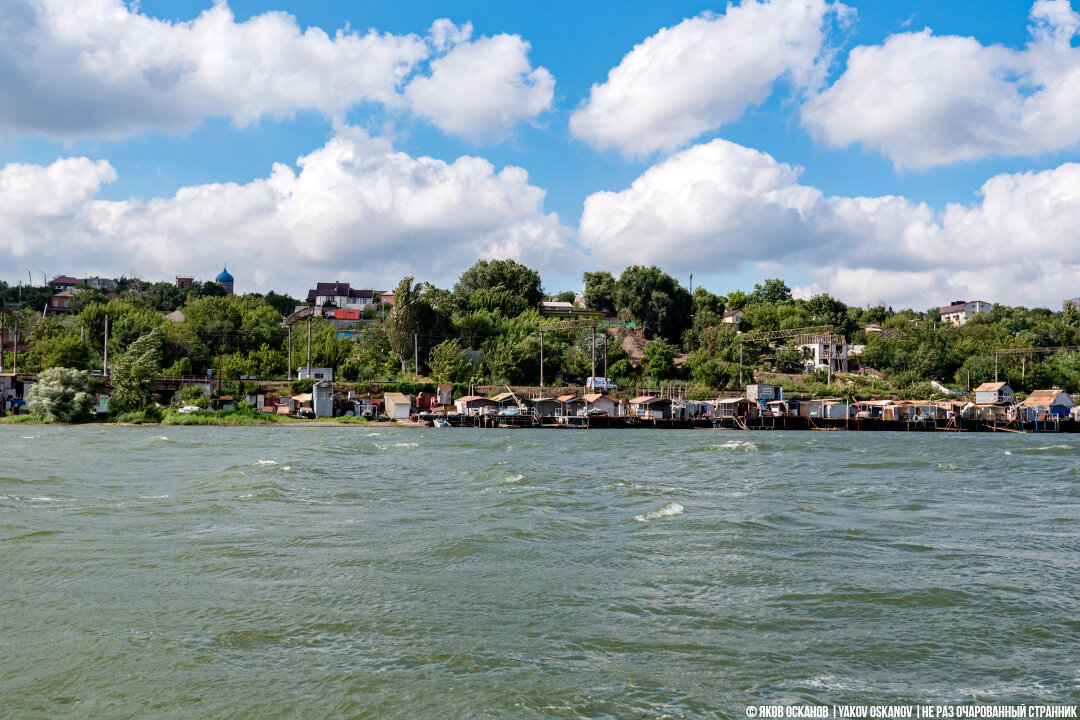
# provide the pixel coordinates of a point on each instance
(600, 383)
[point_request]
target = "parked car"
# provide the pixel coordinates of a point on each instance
(600, 383)
(305, 413)
(189, 409)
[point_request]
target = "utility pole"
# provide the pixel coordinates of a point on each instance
(309, 347)
(416, 355)
(594, 354)
(289, 328)
(740, 364)
(995, 367)
(605, 352)
(105, 362)
(541, 358)
(1, 341)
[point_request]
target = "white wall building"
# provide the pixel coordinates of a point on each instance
(960, 311)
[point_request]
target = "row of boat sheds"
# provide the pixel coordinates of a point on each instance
(761, 407)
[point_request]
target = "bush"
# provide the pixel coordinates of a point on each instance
(60, 395)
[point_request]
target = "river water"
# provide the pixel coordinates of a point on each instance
(408, 573)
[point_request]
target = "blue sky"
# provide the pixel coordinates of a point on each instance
(954, 123)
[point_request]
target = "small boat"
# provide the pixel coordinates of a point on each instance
(441, 422)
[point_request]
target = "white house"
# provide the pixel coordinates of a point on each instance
(732, 317)
(651, 407)
(994, 393)
(318, 374)
(820, 356)
(960, 311)
(340, 295)
(598, 401)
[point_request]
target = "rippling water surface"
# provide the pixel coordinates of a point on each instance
(379, 572)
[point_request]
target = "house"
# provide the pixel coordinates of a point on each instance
(544, 406)
(826, 356)
(317, 374)
(732, 407)
(960, 311)
(1046, 403)
(100, 283)
(507, 403)
(340, 295)
(764, 393)
(733, 317)
(184, 282)
(994, 392)
(224, 402)
(475, 405)
(829, 408)
(443, 395)
(599, 403)
(647, 406)
(872, 329)
(872, 409)
(61, 301)
(369, 407)
(570, 405)
(398, 406)
(64, 282)
(552, 307)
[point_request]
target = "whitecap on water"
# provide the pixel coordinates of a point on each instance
(513, 478)
(736, 445)
(669, 510)
(265, 462)
(286, 468)
(152, 497)
(404, 445)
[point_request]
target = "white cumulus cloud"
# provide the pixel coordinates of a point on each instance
(482, 88)
(354, 208)
(925, 100)
(713, 207)
(100, 68)
(704, 72)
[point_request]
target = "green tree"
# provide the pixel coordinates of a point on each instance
(496, 276)
(600, 291)
(403, 323)
(135, 373)
(659, 305)
(447, 362)
(773, 290)
(659, 359)
(60, 395)
(62, 351)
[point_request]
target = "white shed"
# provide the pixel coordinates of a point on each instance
(397, 406)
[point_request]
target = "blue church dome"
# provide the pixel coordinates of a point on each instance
(224, 276)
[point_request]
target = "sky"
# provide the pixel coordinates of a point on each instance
(904, 153)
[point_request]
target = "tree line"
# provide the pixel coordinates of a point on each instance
(485, 330)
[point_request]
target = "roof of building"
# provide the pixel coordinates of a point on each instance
(955, 307)
(471, 398)
(224, 276)
(337, 289)
(1046, 398)
(991, 386)
(396, 397)
(593, 397)
(65, 280)
(568, 398)
(647, 400)
(733, 313)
